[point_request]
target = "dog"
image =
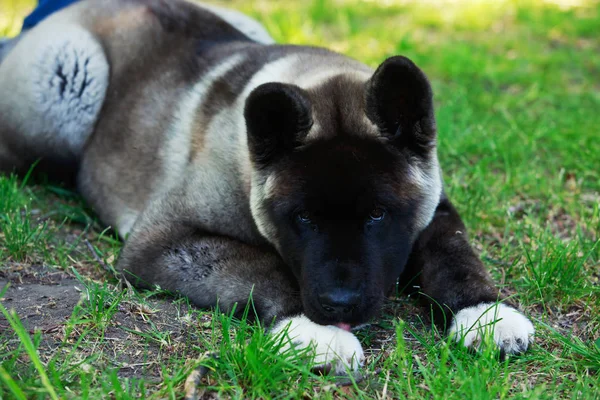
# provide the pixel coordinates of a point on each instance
(238, 170)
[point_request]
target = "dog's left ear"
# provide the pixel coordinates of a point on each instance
(399, 101)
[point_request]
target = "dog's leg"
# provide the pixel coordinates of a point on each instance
(216, 270)
(209, 270)
(455, 282)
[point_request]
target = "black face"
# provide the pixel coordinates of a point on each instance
(343, 225)
(340, 206)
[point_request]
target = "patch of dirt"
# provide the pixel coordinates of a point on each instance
(578, 320)
(135, 339)
(42, 298)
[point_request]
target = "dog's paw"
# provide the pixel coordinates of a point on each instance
(511, 330)
(335, 349)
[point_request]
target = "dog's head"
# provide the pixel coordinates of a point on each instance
(345, 176)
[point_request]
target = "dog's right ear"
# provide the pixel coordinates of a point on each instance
(278, 116)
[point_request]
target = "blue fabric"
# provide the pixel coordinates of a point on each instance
(44, 8)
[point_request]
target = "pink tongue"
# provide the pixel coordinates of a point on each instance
(343, 326)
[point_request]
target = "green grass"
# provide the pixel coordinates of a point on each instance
(517, 98)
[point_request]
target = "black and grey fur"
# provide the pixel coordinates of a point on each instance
(235, 166)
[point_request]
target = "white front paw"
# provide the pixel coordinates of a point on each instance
(333, 346)
(511, 330)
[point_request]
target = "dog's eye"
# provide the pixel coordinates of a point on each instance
(304, 217)
(376, 215)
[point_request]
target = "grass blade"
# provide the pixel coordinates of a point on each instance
(19, 329)
(11, 384)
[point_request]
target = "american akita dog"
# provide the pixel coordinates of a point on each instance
(236, 166)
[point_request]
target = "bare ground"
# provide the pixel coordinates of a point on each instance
(55, 303)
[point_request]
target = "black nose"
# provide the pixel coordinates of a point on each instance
(339, 301)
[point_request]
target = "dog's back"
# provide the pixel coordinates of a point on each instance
(99, 85)
(57, 76)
